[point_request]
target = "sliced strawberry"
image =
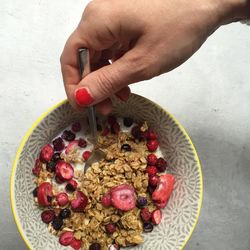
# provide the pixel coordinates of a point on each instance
(71, 146)
(81, 201)
(66, 238)
(62, 199)
(46, 153)
(123, 197)
(44, 194)
(156, 216)
(106, 200)
(76, 244)
(145, 214)
(64, 170)
(163, 190)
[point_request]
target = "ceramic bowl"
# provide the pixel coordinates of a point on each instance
(181, 213)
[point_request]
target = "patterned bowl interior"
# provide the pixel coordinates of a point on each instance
(182, 211)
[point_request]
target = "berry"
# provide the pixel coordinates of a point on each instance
(81, 201)
(106, 200)
(66, 238)
(34, 192)
(58, 180)
(95, 246)
(58, 144)
(71, 186)
(123, 197)
(64, 170)
(46, 153)
(37, 168)
(51, 166)
(163, 190)
(156, 216)
(68, 135)
(127, 121)
(105, 131)
(56, 157)
(62, 199)
(76, 244)
(47, 216)
(86, 155)
(57, 223)
(145, 214)
(137, 133)
(141, 201)
(72, 146)
(115, 128)
(64, 213)
(126, 147)
(152, 145)
(76, 127)
(82, 143)
(148, 227)
(150, 189)
(153, 180)
(111, 120)
(151, 135)
(44, 191)
(110, 228)
(152, 159)
(161, 164)
(151, 170)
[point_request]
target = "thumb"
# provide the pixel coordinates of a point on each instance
(104, 82)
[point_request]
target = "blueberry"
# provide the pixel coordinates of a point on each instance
(95, 246)
(148, 227)
(56, 157)
(127, 121)
(35, 192)
(68, 135)
(51, 166)
(64, 213)
(126, 147)
(141, 201)
(57, 223)
(58, 144)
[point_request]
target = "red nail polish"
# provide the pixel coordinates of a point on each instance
(83, 98)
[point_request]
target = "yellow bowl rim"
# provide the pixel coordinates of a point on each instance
(20, 148)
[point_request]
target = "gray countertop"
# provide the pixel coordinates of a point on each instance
(209, 95)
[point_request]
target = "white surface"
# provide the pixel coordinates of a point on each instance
(210, 95)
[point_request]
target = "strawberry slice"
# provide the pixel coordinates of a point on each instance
(163, 190)
(123, 197)
(71, 146)
(62, 199)
(81, 201)
(66, 238)
(64, 171)
(156, 216)
(43, 193)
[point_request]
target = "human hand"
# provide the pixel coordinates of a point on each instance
(142, 38)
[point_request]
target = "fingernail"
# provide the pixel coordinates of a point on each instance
(83, 97)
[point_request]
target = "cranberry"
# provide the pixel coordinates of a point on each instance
(151, 135)
(86, 155)
(82, 143)
(127, 121)
(58, 144)
(126, 147)
(71, 186)
(105, 131)
(76, 127)
(46, 153)
(152, 159)
(152, 145)
(141, 201)
(151, 170)
(48, 216)
(76, 244)
(68, 135)
(66, 238)
(153, 180)
(145, 214)
(110, 228)
(37, 168)
(62, 199)
(106, 200)
(161, 164)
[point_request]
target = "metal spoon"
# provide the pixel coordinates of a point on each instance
(85, 68)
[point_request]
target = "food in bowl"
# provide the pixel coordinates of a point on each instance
(117, 199)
